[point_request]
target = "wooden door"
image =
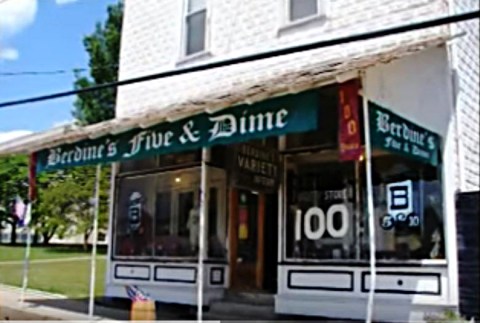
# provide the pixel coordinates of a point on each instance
(246, 244)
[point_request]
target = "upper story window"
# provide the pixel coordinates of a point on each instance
(301, 9)
(301, 14)
(195, 27)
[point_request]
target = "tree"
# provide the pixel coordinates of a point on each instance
(51, 205)
(82, 212)
(103, 48)
(13, 183)
(66, 205)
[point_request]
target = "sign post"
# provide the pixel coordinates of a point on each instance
(32, 164)
(96, 210)
(370, 206)
(201, 235)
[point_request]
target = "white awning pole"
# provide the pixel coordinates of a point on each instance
(371, 215)
(96, 211)
(201, 235)
(26, 260)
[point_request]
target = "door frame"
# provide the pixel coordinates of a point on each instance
(233, 238)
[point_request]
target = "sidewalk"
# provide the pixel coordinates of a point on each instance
(45, 306)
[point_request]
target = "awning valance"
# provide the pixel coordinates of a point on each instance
(292, 80)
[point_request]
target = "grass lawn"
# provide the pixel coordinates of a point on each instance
(12, 253)
(69, 277)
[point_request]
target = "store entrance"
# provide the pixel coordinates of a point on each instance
(253, 256)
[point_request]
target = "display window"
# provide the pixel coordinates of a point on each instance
(408, 209)
(326, 208)
(157, 215)
(320, 218)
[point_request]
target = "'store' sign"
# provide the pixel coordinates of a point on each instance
(278, 116)
(256, 167)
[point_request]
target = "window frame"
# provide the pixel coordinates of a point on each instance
(362, 262)
(217, 179)
(184, 56)
(322, 8)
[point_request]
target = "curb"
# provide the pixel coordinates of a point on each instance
(33, 292)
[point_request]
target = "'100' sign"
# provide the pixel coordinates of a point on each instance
(325, 222)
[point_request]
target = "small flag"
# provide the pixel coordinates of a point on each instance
(135, 294)
(22, 211)
(28, 215)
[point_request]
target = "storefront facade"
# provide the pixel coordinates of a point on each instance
(286, 190)
(288, 216)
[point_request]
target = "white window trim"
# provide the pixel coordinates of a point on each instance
(183, 56)
(286, 24)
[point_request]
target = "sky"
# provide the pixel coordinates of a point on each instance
(42, 35)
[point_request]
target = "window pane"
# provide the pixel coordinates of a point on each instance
(321, 202)
(138, 165)
(326, 134)
(216, 248)
(163, 213)
(195, 32)
(134, 223)
(302, 8)
(158, 215)
(195, 5)
(175, 205)
(408, 210)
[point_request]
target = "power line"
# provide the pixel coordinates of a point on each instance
(56, 72)
(254, 57)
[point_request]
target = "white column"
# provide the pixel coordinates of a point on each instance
(96, 210)
(371, 215)
(201, 235)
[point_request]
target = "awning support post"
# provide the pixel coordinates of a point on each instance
(371, 214)
(32, 175)
(201, 235)
(96, 211)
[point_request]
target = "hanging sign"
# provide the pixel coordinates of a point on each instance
(256, 167)
(391, 132)
(278, 116)
(350, 144)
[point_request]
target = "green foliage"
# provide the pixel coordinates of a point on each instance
(13, 182)
(103, 48)
(65, 204)
(446, 316)
(64, 200)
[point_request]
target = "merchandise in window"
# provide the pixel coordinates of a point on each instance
(134, 221)
(158, 216)
(408, 210)
(320, 219)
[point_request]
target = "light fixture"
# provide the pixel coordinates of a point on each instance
(178, 179)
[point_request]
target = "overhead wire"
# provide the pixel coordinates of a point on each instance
(56, 72)
(253, 57)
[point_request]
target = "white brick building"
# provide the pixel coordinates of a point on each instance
(436, 87)
(465, 66)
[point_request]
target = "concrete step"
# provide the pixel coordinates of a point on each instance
(233, 310)
(250, 298)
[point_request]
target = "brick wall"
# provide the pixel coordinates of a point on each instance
(151, 41)
(465, 61)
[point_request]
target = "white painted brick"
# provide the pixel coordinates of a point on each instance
(466, 62)
(151, 42)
